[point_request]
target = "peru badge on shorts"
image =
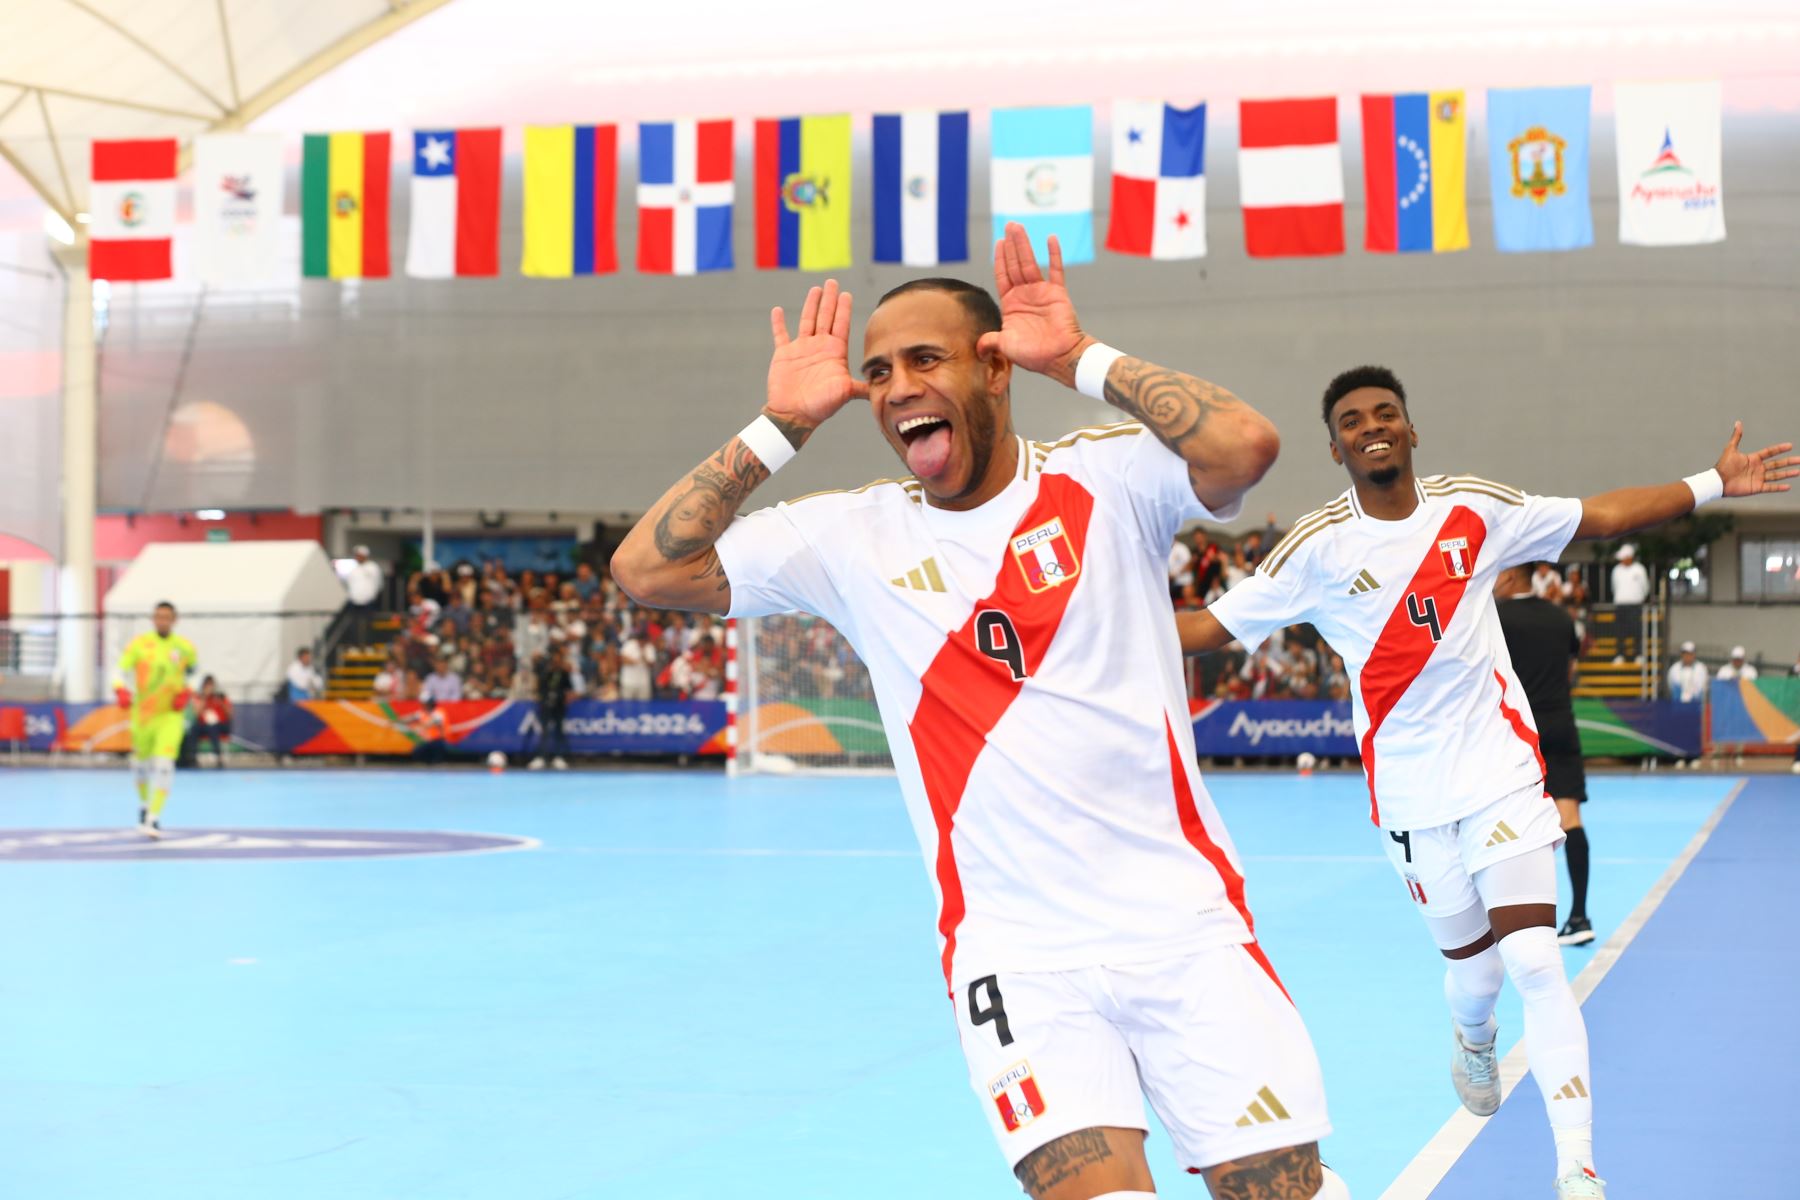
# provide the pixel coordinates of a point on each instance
(1016, 1096)
(1046, 556)
(1455, 552)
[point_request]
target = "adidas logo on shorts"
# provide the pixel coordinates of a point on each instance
(1502, 834)
(1263, 1110)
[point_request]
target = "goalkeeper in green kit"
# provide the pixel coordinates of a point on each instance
(151, 684)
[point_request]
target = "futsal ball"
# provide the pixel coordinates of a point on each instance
(1306, 762)
(496, 761)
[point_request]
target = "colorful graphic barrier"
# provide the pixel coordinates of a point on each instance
(1757, 715)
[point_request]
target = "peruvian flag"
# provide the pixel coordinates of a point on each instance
(455, 204)
(1016, 1097)
(131, 200)
(1291, 177)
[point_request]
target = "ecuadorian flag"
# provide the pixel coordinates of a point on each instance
(571, 192)
(1413, 172)
(803, 193)
(344, 205)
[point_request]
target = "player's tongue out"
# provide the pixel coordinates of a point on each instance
(928, 450)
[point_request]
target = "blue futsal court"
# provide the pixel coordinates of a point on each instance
(683, 986)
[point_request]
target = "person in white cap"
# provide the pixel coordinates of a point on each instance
(1687, 677)
(1630, 589)
(363, 583)
(1737, 668)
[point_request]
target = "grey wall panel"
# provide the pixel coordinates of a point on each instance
(1556, 372)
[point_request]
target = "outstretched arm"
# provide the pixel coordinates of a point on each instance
(1227, 445)
(1200, 632)
(668, 559)
(1616, 513)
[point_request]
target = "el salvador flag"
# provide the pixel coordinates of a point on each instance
(922, 188)
(1043, 177)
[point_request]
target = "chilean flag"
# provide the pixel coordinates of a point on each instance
(685, 193)
(132, 201)
(455, 204)
(1291, 177)
(1159, 180)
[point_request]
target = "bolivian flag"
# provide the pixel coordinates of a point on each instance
(803, 193)
(571, 191)
(344, 206)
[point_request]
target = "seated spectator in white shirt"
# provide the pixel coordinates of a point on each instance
(1687, 677)
(442, 684)
(1546, 582)
(1181, 566)
(303, 682)
(1737, 668)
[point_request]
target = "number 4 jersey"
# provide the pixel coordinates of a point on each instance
(1024, 659)
(1441, 719)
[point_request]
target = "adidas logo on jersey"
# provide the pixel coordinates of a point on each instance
(922, 578)
(1572, 1090)
(1364, 583)
(1263, 1110)
(1502, 834)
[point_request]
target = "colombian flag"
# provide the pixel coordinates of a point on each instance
(1413, 170)
(344, 206)
(571, 186)
(803, 193)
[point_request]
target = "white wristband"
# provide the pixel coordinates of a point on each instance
(1706, 486)
(768, 443)
(1090, 372)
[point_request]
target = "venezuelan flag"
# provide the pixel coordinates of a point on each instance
(1414, 168)
(571, 191)
(803, 193)
(344, 206)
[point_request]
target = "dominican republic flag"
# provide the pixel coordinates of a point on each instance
(131, 197)
(685, 194)
(1159, 180)
(1291, 177)
(922, 188)
(455, 204)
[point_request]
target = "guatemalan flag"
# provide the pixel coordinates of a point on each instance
(1413, 172)
(684, 197)
(1159, 180)
(455, 204)
(571, 185)
(1043, 177)
(922, 188)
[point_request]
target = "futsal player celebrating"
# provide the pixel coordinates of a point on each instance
(1398, 574)
(1091, 910)
(1542, 643)
(151, 684)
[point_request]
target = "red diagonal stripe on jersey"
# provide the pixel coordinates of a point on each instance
(1404, 648)
(1194, 829)
(965, 693)
(1517, 721)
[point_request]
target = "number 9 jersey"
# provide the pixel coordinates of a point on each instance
(1441, 719)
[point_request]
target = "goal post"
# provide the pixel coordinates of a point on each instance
(803, 701)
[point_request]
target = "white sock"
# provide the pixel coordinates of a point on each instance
(1556, 1042)
(1333, 1188)
(1472, 986)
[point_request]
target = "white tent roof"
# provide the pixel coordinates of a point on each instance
(75, 70)
(228, 577)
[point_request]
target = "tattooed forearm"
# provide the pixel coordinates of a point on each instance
(1289, 1174)
(1057, 1161)
(1174, 405)
(693, 518)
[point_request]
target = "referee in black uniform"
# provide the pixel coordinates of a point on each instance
(1541, 637)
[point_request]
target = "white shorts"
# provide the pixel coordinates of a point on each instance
(1439, 864)
(1210, 1039)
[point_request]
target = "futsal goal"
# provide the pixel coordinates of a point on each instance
(803, 700)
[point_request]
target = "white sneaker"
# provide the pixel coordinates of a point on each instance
(1581, 1184)
(151, 830)
(1475, 1070)
(560, 763)
(536, 764)
(1795, 769)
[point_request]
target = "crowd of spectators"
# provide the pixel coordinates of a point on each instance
(483, 632)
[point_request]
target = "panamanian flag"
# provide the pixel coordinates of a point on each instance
(922, 188)
(455, 204)
(685, 193)
(1159, 180)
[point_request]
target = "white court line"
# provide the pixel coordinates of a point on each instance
(1428, 1169)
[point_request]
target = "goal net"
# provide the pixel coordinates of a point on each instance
(804, 700)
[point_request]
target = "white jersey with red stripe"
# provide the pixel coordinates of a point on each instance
(1024, 658)
(1441, 719)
